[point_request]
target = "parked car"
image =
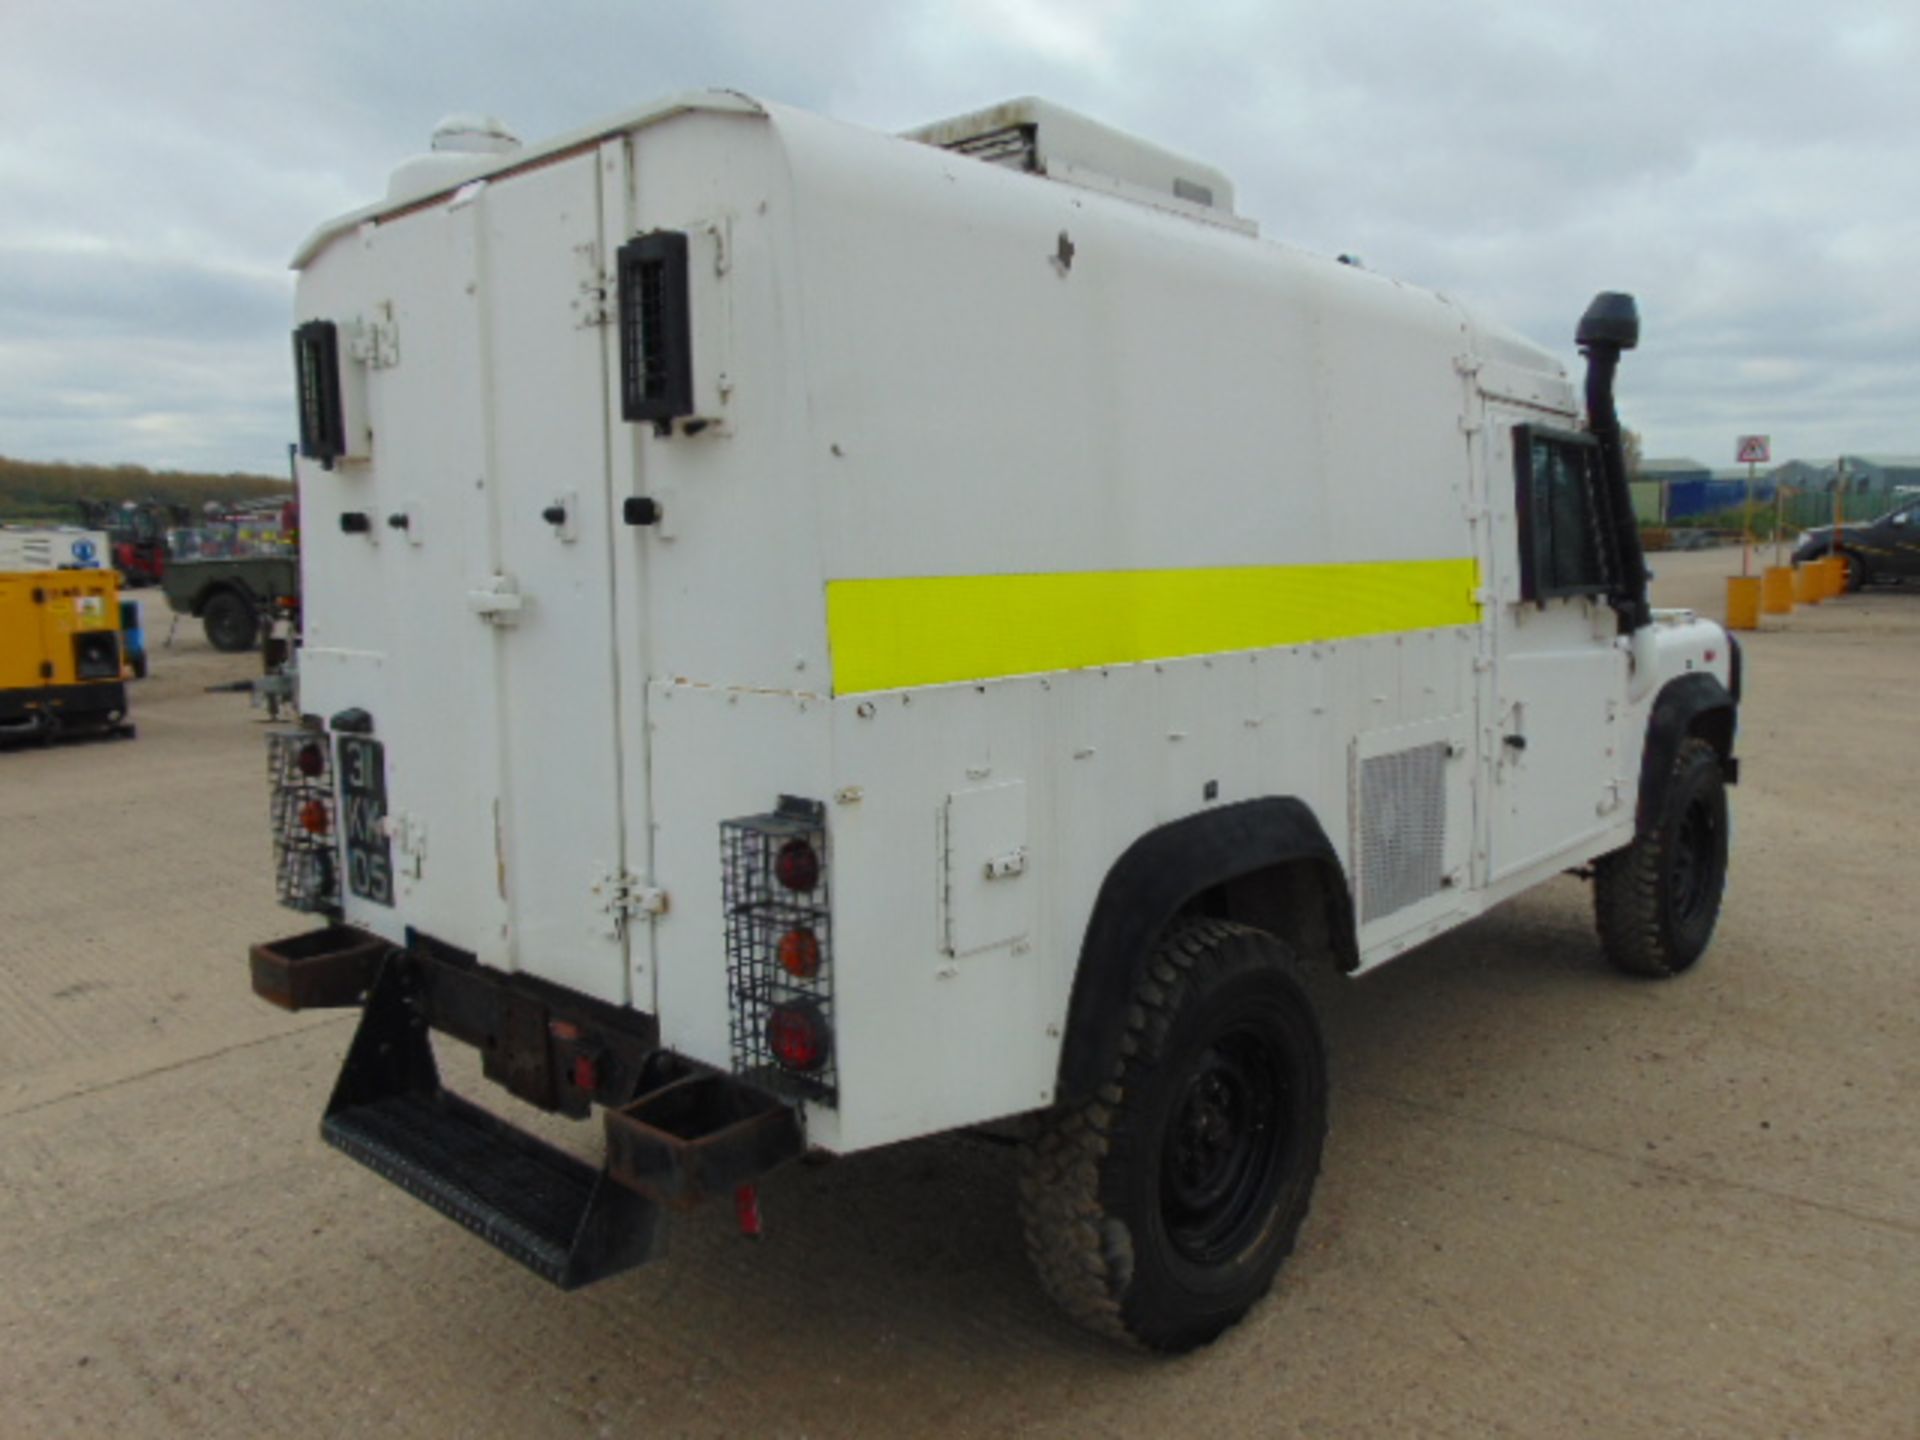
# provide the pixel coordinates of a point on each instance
(1884, 549)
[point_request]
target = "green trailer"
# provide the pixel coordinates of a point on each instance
(233, 597)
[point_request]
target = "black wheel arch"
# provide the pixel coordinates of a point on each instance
(204, 596)
(1689, 706)
(1265, 862)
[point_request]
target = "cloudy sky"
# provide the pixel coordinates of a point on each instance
(1751, 171)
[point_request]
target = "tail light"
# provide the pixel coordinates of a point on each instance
(797, 1036)
(775, 883)
(800, 954)
(797, 866)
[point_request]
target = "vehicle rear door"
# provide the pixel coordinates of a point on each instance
(536, 247)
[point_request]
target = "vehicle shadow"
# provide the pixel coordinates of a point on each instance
(917, 1249)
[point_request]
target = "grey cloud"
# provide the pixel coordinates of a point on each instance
(53, 294)
(1745, 169)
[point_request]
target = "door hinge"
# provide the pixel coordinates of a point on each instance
(619, 899)
(375, 342)
(409, 835)
(593, 305)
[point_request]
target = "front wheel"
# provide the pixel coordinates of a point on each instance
(1855, 571)
(1158, 1211)
(1656, 901)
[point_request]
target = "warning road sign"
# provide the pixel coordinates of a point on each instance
(1754, 450)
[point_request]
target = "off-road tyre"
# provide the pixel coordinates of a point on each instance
(1854, 572)
(1221, 1086)
(231, 622)
(1656, 901)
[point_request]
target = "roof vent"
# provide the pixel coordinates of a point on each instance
(1042, 138)
(464, 145)
(464, 133)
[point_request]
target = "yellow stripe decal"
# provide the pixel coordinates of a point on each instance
(937, 629)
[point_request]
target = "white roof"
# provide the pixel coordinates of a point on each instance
(725, 101)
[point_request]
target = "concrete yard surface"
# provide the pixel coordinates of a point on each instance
(1555, 1201)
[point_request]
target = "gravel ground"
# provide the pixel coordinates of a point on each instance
(1554, 1201)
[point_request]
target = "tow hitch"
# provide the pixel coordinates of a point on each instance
(677, 1133)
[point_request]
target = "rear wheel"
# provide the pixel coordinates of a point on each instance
(1656, 901)
(231, 622)
(1158, 1211)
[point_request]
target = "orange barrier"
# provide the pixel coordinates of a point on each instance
(1776, 590)
(1836, 573)
(1743, 602)
(1808, 583)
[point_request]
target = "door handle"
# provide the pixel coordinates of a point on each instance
(560, 515)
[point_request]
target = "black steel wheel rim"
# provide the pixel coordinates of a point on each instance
(1696, 860)
(1221, 1159)
(232, 625)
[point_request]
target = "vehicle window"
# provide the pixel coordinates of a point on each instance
(1566, 545)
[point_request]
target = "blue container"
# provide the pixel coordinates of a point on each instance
(133, 638)
(1686, 498)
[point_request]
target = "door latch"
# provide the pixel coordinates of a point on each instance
(1005, 867)
(498, 601)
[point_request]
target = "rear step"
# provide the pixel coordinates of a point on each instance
(551, 1211)
(690, 1133)
(538, 1204)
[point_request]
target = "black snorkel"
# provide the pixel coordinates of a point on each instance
(1612, 324)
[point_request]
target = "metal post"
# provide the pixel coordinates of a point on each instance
(1746, 539)
(1839, 500)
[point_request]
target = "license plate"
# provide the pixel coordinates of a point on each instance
(363, 800)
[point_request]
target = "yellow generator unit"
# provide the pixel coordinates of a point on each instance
(60, 653)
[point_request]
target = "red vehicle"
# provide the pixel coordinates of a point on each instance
(138, 534)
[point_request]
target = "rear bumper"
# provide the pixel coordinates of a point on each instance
(88, 703)
(677, 1133)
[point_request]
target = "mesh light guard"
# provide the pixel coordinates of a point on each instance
(759, 910)
(306, 867)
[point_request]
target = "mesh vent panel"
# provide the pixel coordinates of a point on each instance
(1403, 827)
(1011, 146)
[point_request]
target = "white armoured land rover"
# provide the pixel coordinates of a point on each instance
(816, 638)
